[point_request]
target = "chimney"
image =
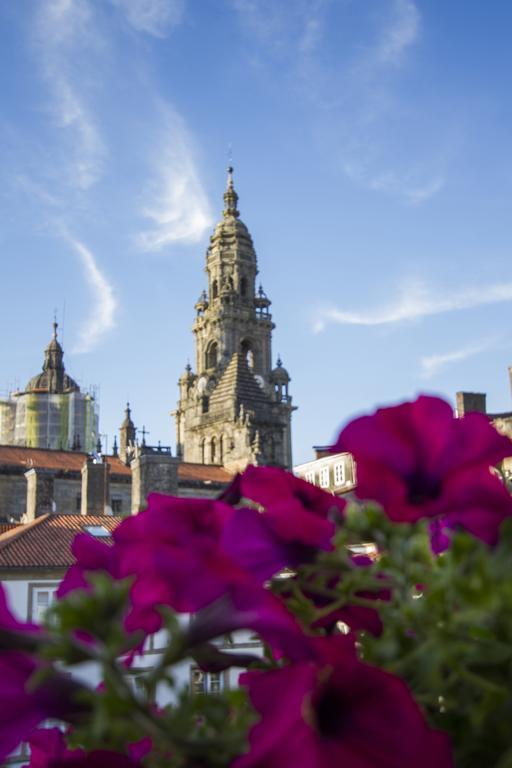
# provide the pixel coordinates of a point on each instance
(95, 487)
(152, 472)
(470, 402)
(39, 493)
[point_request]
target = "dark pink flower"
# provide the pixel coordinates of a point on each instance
(48, 749)
(91, 555)
(416, 459)
(336, 711)
(24, 705)
(476, 501)
(291, 526)
(251, 606)
(285, 535)
(7, 619)
(358, 618)
(172, 551)
(271, 485)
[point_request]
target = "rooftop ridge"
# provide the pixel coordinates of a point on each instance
(8, 537)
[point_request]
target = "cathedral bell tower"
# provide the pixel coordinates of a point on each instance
(235, 410)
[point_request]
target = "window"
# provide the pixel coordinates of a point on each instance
(246, 349)
(243, 286)
(117, 506)
(78, 503)
(339, 474)
(215, 290)
(40, 597)
(98, 531)
(309, 477)
(205, 682)
(211, 355)
(324, 477)
(213, 451)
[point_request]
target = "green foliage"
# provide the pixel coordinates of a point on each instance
(447, 625)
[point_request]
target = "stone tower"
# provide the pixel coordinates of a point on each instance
(235, 409)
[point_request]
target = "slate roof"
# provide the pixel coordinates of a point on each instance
(46, 542)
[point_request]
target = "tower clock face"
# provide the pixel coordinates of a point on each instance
(260, 380)
(202, 384)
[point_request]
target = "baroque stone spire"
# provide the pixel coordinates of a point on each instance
(231, 397)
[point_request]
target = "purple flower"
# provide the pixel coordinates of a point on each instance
(172, 550)
(270, 485)
(357, 617)
(251, 606)
(7, 619)
(23, 704)
(336, 711)
(417, 460)
(90, 555)
(291, 526)
(48, 749)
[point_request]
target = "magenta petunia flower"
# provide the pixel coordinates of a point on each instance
(8, 620)
(337, 711)
(48, 749)
(90, 555)
(24, 706)
(290, 527)
(357, 617)
(172, 551)
(251, 606)
(417, 460)
(270, 485)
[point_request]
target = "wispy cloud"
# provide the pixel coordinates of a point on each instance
(398, 34)
(175, 202)
(104, 304)
(412, 188)
(370, 157)
(287, 28)
(155, 17)
(416, 300)
(61, 28)
(432, 364)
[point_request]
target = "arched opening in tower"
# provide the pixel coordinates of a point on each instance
(211, 355)
(248, 353)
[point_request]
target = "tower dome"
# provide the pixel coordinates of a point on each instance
(53, 379)
(279, 374)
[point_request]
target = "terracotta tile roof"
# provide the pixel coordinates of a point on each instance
(7, 527)
(71, 461)
(203, 472)
(46, 542)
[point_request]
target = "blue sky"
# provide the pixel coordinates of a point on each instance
(372, 148)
